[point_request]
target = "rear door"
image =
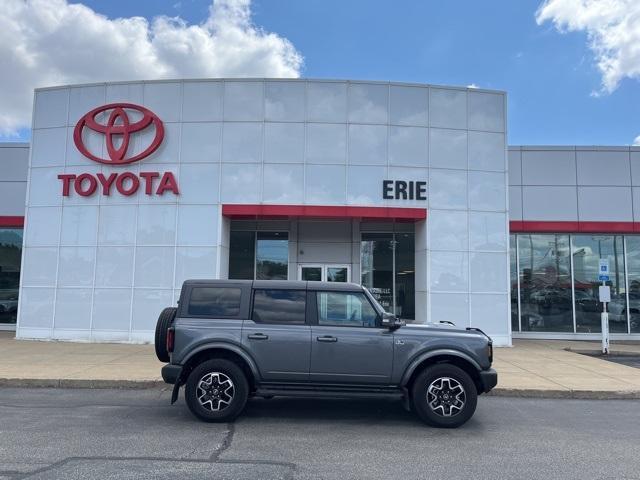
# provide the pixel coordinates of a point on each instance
(277, 336)
(348, 344)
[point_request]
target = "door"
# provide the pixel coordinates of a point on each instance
(348, 345)
(277, 336)
(319, 272)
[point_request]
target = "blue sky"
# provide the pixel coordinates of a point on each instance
(549, 76)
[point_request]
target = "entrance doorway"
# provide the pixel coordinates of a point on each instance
(324, 272)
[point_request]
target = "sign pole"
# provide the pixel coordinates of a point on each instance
(605, 297)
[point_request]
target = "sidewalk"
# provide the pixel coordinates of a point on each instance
(533, 368)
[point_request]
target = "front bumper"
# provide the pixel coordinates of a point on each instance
(171, 373)
(488, 379)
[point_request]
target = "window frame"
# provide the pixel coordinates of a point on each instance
(312, 302)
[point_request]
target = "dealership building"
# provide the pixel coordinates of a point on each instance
(128, 189)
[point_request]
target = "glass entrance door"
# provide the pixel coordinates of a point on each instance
(324, 272)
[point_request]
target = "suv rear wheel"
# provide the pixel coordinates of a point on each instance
(444, 396)
(216, 391)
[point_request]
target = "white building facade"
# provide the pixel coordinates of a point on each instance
(132, 188)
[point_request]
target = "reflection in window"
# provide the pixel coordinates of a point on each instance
(379, 253)
(587, 252)
(279, 306)
(633, 271)
(272, 256)
(513, 283)
(545, 283)
(242, 255)
(345, 310)
(214, 302)
(258, 255)
(10, 255)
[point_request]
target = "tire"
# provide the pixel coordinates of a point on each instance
(209, 405)
(166, 318)
(444, 396)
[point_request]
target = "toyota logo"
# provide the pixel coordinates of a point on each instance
(119, 128)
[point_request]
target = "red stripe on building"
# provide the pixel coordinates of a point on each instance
(11, 221)
(528, 226)
(317, 211)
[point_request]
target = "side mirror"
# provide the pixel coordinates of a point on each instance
(390, 321)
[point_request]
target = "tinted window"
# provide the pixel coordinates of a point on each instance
(279, 306)
(345, 310)
(214, 302)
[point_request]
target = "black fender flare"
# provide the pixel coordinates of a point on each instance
(229, 347)
(415, 363)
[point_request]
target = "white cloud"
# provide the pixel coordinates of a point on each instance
(613, 29)
(472, 85)
(52, 42)
(636, 141)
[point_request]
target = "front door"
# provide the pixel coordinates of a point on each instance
(348, 345)
(320, 272)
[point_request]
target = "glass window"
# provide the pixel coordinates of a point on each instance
(545, 283)
(393, 289)
(272, 256)
(633, 271)
(242, 255)
(587, 252)
(279, 306)
(10, 255)
(515, 325)
(214, 302)
(405, 275)
(345, 310)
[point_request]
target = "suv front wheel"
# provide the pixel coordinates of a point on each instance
(216, 391)
(444, 396)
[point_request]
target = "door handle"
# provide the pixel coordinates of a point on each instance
(327, 338)
(258, 336)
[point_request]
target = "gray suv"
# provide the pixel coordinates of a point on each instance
(229, 339)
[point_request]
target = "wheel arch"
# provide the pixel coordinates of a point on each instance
(220, 350)
(452, 357)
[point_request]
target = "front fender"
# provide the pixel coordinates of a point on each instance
(415, 363)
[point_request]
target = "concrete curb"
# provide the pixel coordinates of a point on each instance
(159, 384)
(568, 394)
(80, 383)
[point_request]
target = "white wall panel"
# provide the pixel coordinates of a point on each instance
(447, 108)
(326, 101)
(536, 166)
(48, 147)
(202, 101)
(201, 142)
(243, 101)
(603, 168)
(409, 105)
(515, 167)
(486, 111)
(15, 162)
(51, 108)
(605, 204)
(448, 148)
(551, 203)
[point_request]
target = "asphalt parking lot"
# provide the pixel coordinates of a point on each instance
(73, 434)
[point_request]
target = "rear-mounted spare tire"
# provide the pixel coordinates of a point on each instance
(166, 318)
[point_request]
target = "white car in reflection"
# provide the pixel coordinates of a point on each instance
(618, 310)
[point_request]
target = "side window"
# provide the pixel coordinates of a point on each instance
(344, 309)
(279, 306)
(214, 302)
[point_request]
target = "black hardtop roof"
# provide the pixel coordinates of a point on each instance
(279, 284)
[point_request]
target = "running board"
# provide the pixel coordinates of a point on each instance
(320, 392)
